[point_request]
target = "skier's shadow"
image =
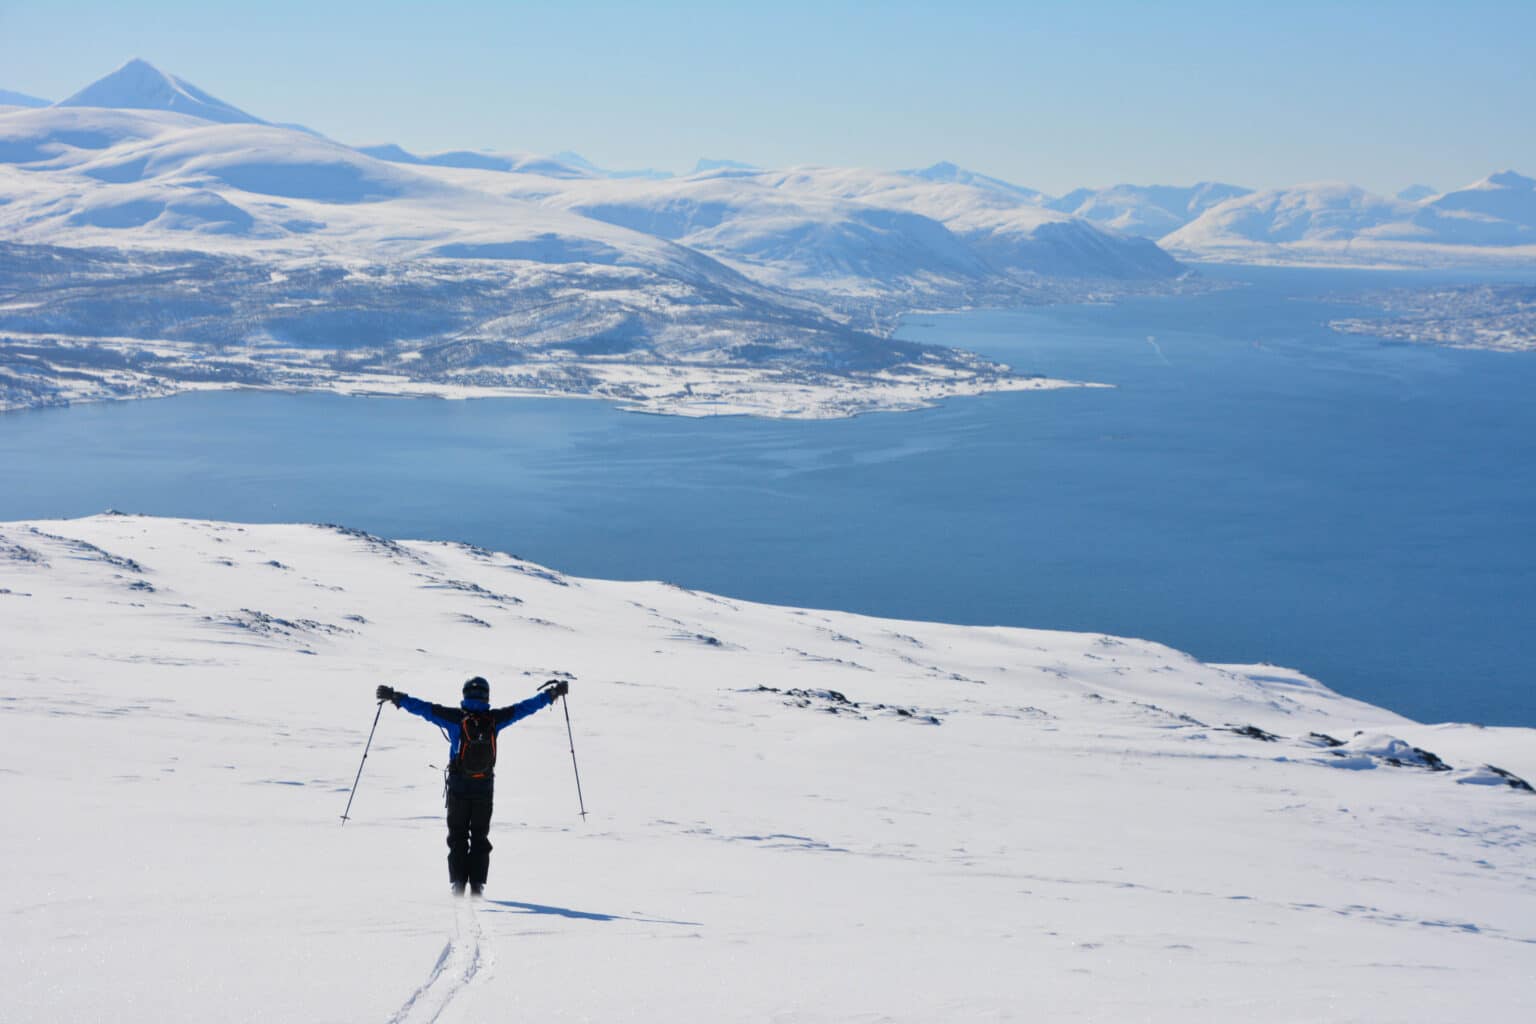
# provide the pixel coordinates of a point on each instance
(580, 915)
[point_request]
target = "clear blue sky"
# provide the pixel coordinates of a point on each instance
(1051, 95)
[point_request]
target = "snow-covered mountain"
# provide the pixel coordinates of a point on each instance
(1498, 210)
(793, 814)
(1491, 218)
(9, 98)
(949, 172)
(854, 232)
(739, 271)
(510, 163)
(139, 85)
(532, 298)
(706, 164)
(1413, 193)
(580, 162)
(1148, 211)
(1325, 212)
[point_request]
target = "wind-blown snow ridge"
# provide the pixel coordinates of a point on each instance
(1096, 827)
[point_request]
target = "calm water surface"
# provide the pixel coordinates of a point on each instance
(1254, 488)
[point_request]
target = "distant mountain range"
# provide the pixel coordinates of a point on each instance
(143, 158)
(870, 233)
(1492, 217)
(154, 237)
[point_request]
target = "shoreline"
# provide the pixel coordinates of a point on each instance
(693, 392)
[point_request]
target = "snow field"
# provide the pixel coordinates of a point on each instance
(1076, 839)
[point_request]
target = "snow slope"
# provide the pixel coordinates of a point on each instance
(795, 815)
(1148, 211)
(1492, 219)
(848, 231)
(950, 172)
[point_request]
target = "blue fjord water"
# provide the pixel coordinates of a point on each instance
(1255, 488)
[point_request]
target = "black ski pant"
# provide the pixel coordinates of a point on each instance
(469, 826)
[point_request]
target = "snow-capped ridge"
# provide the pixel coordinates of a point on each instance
(1417, 192)
(573, 159)
(1146, 211)
(139, 85)
(477, 160)
(1345, 221)
(706, 164)
(946, 171)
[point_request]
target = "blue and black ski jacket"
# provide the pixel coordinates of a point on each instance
(450, 719)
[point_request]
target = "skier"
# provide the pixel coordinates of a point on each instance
(472, 728)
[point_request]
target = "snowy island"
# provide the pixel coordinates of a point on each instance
(795, 814)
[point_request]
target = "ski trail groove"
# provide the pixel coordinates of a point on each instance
(456, 968)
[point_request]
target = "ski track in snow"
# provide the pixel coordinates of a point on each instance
(457, 967)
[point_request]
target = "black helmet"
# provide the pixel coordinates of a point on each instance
(477, 689)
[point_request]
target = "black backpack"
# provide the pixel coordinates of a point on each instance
(477, 744)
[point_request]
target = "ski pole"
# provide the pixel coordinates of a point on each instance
(565, 703)
(364, 761)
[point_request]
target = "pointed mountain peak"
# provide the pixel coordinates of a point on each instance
(139, 85)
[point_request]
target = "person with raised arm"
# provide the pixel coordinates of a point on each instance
(472, 728)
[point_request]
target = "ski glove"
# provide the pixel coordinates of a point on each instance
(390, 694)
(556, 688)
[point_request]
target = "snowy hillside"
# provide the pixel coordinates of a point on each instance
(844, 232)
(795, 815)
(945, 171)
(894, 240)
(1490, 220)
(1148, 211)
